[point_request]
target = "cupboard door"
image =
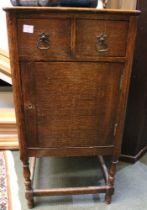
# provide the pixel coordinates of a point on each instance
(70, 104)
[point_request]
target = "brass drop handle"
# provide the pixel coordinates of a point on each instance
(43, 42)
(101, 43)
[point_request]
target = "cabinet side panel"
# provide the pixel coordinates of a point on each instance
(16, 78)
(125, 85)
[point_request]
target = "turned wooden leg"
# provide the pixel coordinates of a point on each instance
(111, 179)
(28, 185)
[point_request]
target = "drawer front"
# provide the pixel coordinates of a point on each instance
(44, 37)
(101, 38)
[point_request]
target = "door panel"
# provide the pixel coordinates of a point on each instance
(70, 104)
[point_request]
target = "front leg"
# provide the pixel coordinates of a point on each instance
(111, 179)
(28, 184)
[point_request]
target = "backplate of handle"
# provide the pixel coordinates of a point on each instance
(101, 43)
(43, 42)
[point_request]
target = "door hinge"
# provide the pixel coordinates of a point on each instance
(121, 80)
(115, 128)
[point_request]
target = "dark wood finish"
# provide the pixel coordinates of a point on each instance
(59, 37)
(71, 98)
(133, 158)
(67, 151)
(111, 179)
(28, 183)
(135, 133)
(70, 191)
(87, 31)
(73, 109)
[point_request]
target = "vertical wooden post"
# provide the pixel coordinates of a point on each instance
(111, 179)
(28, 184)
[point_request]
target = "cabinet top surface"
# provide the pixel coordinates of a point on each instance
(70, 9)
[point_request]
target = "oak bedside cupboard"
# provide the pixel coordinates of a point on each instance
(71, 71)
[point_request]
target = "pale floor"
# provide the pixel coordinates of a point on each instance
(130, 184)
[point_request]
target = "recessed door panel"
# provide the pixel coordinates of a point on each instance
(71, 104)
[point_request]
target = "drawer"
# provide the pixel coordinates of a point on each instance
(44, 37)
(101, 37)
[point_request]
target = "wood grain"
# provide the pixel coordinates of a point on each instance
(71, 100)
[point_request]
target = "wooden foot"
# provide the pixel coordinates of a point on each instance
(30, 201)
(108, 198)
(28, 185)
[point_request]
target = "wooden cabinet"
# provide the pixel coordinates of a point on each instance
(71, 70)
